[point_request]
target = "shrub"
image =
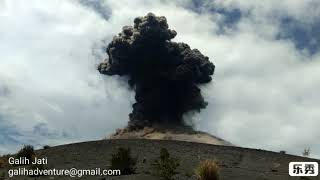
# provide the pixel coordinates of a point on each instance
(207, 170)
(123, 161)
(27, 151)
(3, 162)
(46, 147)
(166, 166)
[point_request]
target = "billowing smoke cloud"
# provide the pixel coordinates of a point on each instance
(164, 74)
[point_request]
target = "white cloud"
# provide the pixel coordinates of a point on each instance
(263, 94)
(48, 68)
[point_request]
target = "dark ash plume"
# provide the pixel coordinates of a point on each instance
(164, 74)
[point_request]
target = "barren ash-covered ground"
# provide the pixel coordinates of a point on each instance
(235, 163)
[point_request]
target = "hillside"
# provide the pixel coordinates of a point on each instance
(236, 163)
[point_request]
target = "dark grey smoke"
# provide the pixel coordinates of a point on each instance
(164, 74)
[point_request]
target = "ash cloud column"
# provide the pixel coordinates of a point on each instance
(165, 75)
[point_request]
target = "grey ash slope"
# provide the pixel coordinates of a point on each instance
(236, 163)
(180, 133)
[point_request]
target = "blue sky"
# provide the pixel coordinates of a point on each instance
(304, 36)
(265, 89)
